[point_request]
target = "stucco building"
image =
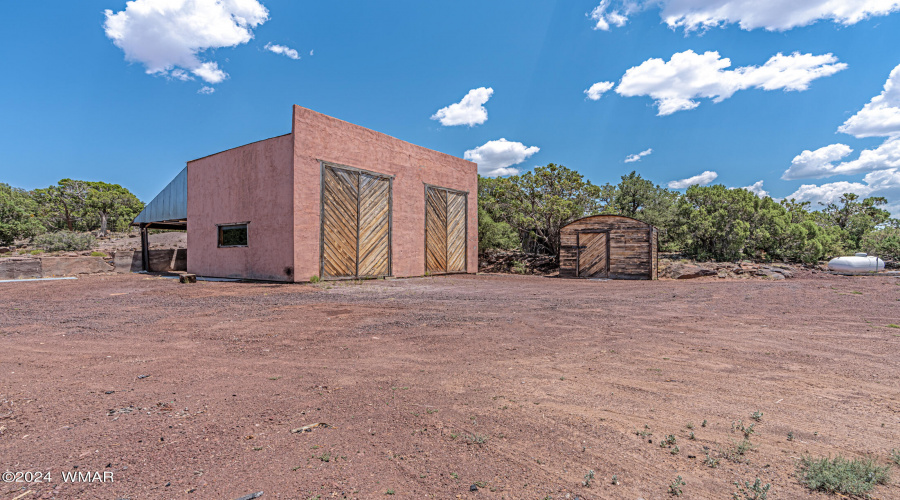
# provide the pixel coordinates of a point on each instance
(330, 199)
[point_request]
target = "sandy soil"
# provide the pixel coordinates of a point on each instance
(517, 385)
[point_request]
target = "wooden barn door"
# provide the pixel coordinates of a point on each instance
(435, 230)
(445, 230)
(456, 232)
(593, 255)
(374, 226)
(356, 224)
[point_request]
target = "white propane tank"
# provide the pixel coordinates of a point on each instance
(860, 263)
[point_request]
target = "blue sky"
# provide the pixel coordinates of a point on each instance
(77, 99)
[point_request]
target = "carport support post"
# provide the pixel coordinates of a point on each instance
(145, 249)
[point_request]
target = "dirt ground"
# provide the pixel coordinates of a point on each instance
(517, 385)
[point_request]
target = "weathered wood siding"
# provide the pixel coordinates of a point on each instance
(445, 230)
(340, 223)
(593, 256)
(374, 226)
(632, 246)
(435, 230)
(356, 223)
(456, 232)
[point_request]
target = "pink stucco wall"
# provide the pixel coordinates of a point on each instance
(275, 185)
(250, 183)
(320, 137)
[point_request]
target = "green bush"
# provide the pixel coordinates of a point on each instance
(714, 222)
(839, 475)
(17, 215)
(64, 241)
(493, 234)
(519, 267)
(884, 243)
(98, 254)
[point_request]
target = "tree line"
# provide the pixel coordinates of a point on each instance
(525, 212)
(70, 205)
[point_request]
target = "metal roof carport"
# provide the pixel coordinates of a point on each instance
(168, 210)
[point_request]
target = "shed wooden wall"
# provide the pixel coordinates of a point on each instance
(633, 246)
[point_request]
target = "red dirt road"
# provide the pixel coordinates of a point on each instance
(518, 385)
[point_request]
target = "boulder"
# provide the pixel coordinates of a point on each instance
(687, 271)
(786, 273)
(782, 270)
(769, 273)
(5, 250)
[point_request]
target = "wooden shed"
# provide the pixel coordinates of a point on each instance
(609, 246)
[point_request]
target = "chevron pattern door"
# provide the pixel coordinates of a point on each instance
(445, 230)
(356, 224)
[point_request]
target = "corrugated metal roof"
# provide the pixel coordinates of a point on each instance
(169, 205)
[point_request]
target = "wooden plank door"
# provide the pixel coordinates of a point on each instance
(593, 255)
(445, 230)
(340, 222)
(435, 230)
(374, 225)
(356, 224)
(456, 232)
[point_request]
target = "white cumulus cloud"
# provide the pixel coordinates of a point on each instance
(169, 36)
(885, 156)
(206, 90)
(880, 183)
(772, 15)
(210, 72)
(598, 89)
(637, 157)
(495, 158)
(819, 163)
(469, 111)
(757, 189)
(701, 179)
(283, 50)
(880, 116)
(605, 15)
(827, 193)
(816, 164)
(677, 83)
(180, 74)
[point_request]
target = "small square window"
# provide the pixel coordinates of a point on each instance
(233, 235)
